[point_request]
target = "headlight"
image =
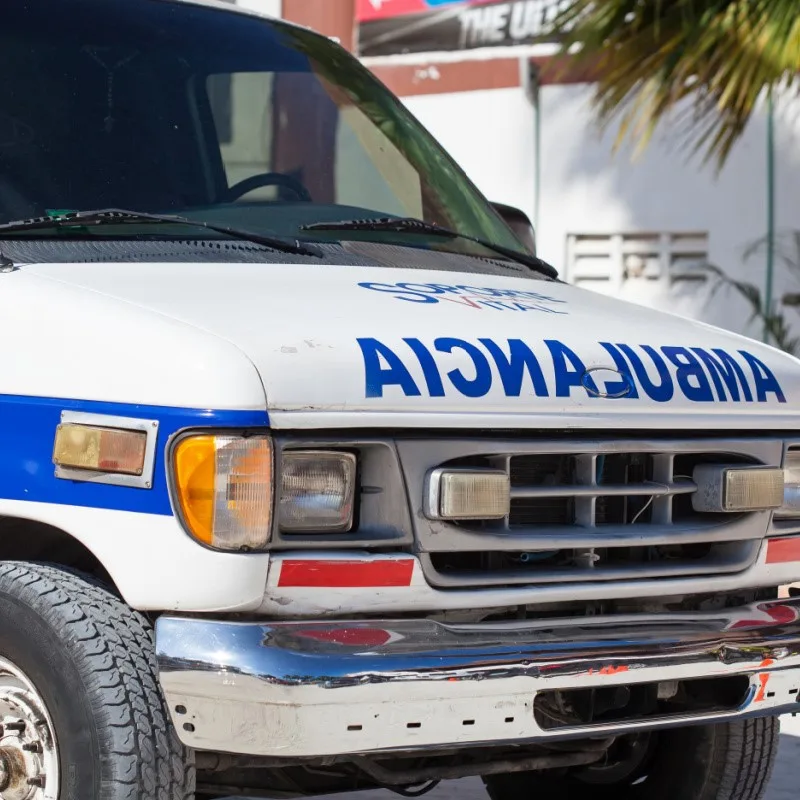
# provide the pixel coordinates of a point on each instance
(473, 494)
(791, 487)
(317, 492)
(224, 489)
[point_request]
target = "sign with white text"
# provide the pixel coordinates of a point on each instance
(388, 27)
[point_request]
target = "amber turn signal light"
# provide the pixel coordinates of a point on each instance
(224, 486)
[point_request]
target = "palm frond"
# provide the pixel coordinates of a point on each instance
(656, 57)
(779, 333)
(786, 246)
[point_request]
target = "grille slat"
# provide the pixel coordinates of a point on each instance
(740, 559)
(601, 512)
(595, 490)
(549, 537)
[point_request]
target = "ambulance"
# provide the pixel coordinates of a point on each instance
(314, 478)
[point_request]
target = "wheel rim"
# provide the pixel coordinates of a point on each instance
(28, 746)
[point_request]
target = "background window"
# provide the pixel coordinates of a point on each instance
(606, 262)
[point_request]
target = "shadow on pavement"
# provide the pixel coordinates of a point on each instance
(784, 784)
(785, 779)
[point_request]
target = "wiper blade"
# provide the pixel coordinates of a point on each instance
(409, 224)
(116, 216)
(412, 225)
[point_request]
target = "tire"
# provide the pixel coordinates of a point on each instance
(730, 761)
(89, 663)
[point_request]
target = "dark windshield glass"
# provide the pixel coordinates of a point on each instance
(168, 107)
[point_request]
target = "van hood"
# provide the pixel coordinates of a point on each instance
(342, 346)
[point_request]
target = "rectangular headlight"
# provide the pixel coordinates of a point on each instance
(734, 488)
(791, 487)
(468, 494)
(224, 489)
(317, 491)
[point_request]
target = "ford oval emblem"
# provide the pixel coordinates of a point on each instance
(590, 377)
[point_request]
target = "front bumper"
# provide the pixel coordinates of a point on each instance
(299, 690)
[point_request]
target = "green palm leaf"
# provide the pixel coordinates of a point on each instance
(703, 64)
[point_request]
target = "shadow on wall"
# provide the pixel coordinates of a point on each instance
(588, 191)
(781, 323)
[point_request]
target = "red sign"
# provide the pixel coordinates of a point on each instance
(387, 27)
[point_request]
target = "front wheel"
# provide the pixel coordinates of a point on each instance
(730, 761)
(81, 715)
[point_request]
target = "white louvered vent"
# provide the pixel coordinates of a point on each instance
(607, 262)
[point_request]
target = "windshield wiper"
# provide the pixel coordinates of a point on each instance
(116, 216)
(412, 225)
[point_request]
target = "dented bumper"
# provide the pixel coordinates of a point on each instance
(298, 690)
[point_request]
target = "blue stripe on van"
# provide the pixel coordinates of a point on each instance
(27, 432)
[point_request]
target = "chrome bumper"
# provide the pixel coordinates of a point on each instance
(336, 688)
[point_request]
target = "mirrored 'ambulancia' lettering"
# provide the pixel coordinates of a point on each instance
(450, 365)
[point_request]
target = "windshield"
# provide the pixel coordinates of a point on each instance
(166, 107)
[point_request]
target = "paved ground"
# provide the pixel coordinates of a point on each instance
(783, 787)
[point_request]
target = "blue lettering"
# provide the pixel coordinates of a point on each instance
(567, 378)
(480, 291)
(661, 392)
(444, 288)
(411, 296)
(723, 367)
(378, 287)
(475, 296)
(482, 382)
(528, 305)
(765, 381)
(429, 369)
(423, 288)
(689, 370)
(514, 366)
(536, 296)
(626, 389)
(393, 374)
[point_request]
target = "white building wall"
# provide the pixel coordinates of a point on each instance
(490, 133)
(271, 7)
(586, 190)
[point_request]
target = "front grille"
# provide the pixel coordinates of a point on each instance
(599, 511)
(606, 489)
(538, 473)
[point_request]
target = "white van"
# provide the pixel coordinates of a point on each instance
(313, 477)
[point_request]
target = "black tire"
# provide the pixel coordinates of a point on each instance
(92, 661)
(731, 761)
